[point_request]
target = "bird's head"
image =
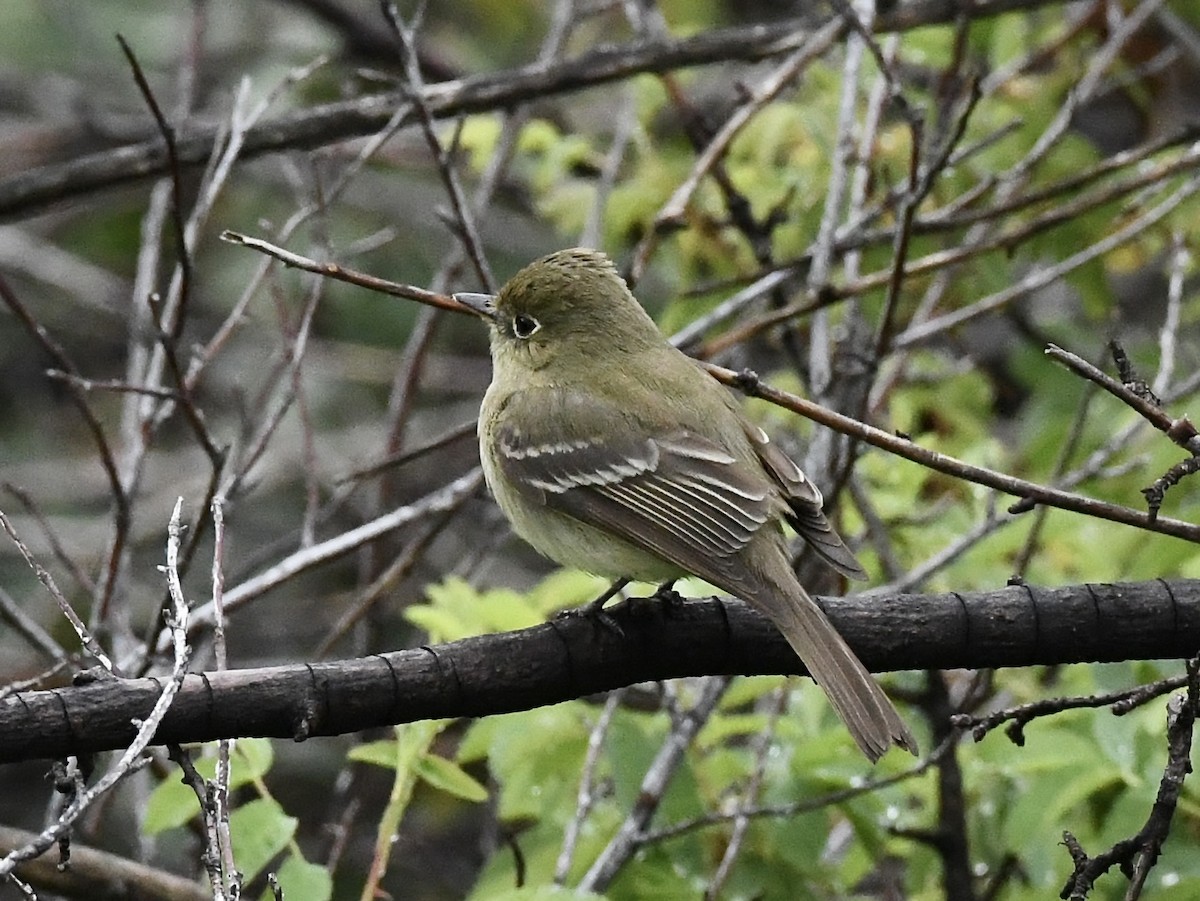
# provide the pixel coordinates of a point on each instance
(565, 306)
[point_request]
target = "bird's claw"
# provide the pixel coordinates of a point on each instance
(595, 612)
(666, 595)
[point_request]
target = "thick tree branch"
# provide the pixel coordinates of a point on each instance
(31, 191)
(575, 656)
(99, 876)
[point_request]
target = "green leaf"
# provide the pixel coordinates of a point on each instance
(564, 588)
(251, 759)
(298, 878)
(749, 689)
(170, 805)
(535, 757)
(259, 831)
(1172, 889)
(635, 740)
(456, 610)
(474, 745)
(173, 804)
(450, 778)
(724, 727)
(381, 753)
(478, 138)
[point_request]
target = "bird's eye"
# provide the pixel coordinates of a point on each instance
(524, 325)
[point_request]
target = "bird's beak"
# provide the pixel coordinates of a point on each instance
(479, 304)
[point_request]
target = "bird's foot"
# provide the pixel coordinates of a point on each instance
(665, 598)
(666, 595)
(594, 609)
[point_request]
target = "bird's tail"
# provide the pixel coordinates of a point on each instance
(855, 695)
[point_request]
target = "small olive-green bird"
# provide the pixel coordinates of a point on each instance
(612, 452)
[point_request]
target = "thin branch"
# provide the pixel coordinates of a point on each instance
(763, 744)
(1137, 854)
(464, 220)
(943, 260)
(671, 215)
(585, 798)
(654, 785)
(27, 192)
(1181, 431)
(56, 545)
(451, 435)
(131, 760)
(350, 276)
(51, 347)
(86, 638)
(1121, 702)
(325, 551)
(1168, 336)
(749, 383)
(399, 568)
(182, 255)
(32, 631)
(100, 874)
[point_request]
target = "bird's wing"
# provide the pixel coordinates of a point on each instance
(804, 502)
(679, 494)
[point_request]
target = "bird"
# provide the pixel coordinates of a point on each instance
(611, 451)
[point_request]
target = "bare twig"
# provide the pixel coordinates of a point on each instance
(81, 630)
(1181, 260)
(221, 803)
(183, 256)
(56, 546)
(1181, 430)
(63, 362)
(672, 212)
(807, 805)
(400, 566)
(322, 552)
(31, 630)
(658, 776)
(1019, 717)
(763, 743)
(464, 220)
(1042, 494)
(941, 261)
(350, 276)
(1138, 854)
(1041, 277)
(457, 433)
(335, 122)
(131, 760)
(1141, 399)
(586, 797)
